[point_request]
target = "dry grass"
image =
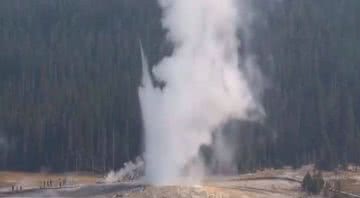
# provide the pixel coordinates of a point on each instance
(351, 186)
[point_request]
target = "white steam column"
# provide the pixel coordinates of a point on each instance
(204, 86)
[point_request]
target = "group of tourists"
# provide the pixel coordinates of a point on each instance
(15, 188)
(52, 184)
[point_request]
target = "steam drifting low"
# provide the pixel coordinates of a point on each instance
(204, 86)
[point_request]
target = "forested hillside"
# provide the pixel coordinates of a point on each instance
(70, 69)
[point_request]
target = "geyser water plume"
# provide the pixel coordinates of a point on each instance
(204, 86)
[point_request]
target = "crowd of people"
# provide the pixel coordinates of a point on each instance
(50, 183)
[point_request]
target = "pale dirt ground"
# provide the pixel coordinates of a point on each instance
(221, 190)
(255, 185)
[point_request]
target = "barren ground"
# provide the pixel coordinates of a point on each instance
(280, 183)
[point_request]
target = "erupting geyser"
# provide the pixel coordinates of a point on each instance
(204, 86)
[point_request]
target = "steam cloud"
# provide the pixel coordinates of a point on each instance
(204, 85)
(130, 171)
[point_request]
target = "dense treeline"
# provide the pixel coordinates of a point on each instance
(310, 51)
(69, 75)
(69, 72)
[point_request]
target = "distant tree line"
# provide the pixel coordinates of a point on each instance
(310, 50)
(69, 72)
